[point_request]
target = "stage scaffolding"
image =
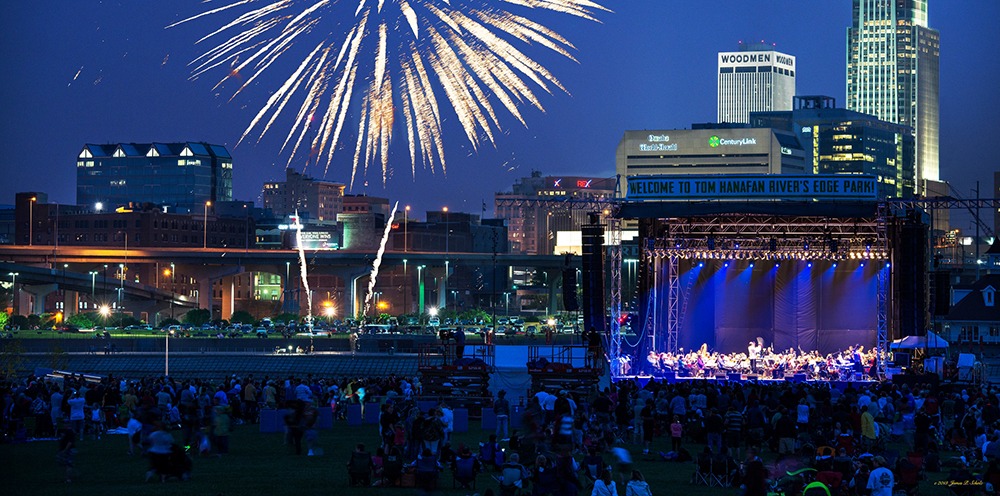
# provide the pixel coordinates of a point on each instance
(745, 236)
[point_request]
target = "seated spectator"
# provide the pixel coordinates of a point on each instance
(392, 467)
(360, 466)
(512, 475)
(465, 467)
(427, 467)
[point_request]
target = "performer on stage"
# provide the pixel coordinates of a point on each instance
(753, 351)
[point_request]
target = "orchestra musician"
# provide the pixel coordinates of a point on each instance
(753, 351)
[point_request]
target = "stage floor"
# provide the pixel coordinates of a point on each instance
(643, 379)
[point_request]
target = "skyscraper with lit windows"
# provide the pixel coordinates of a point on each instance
(757, 78)
(892, 73)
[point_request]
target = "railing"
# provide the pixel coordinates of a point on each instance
(573, 356)
(445, 353)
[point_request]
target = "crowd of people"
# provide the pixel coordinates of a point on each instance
(864, 438)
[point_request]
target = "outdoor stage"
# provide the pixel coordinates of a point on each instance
(798, 277)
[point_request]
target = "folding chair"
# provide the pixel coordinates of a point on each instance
(702, 475)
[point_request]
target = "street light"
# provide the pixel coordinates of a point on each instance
(93, 284)
(205, 222)
(406, 285)
(173, 289)
(506, 297)
(454, 295)
(406, 212)
(14, 295)
(31, 220)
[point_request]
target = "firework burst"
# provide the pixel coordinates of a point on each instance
(386, 59)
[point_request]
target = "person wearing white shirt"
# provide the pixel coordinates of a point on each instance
(881, 480)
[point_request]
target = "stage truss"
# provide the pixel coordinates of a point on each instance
(762, 237)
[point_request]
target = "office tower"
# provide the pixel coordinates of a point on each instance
(840, 141)
(316, 200)
(892, 73)
(181, 176)
(754, 79)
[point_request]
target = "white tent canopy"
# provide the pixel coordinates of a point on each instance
(931, 341)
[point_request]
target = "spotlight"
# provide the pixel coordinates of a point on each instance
(701, 264)
(887, 265)
(725, 264)
(751, 265)
(809, 265)
(835, 265)
(862, 264)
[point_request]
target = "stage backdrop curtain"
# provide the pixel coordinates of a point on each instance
(791, 306)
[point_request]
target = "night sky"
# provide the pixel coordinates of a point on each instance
(649, 65)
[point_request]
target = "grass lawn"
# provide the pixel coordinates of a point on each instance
(260, 464)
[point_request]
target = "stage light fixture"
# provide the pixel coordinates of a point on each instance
(835, 265)
(725, 265)
(751, 265)
(887, 265)
(809, 265)
(862, 264)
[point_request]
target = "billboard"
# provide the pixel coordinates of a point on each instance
(752, 187)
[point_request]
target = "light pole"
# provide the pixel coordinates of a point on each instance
(205, 223)
(173, 289)
(14, 294)
(406, 214)
(121, 286)
(93, 285)
(506, 297)
(454, 295)
(406, 285)
(420, 289)
(31, 220)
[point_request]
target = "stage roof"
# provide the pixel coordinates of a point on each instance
(668, 209)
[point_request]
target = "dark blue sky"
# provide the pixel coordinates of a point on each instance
(650, 65)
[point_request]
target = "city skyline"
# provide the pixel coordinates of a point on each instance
(110, 73)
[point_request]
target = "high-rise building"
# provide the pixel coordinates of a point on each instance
(892, 73)
(840, 141)
(754, 79)
(315, 200)
(183, 176)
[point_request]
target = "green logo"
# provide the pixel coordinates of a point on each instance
(713, 142)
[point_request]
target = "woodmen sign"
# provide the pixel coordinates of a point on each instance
(752, 187)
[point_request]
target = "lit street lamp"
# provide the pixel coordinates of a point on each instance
(205, 222)
(406, 212)
(93, 284)
(31, 220)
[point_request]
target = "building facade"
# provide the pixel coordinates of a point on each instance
(181, 176)
(754, 79)
(317, 201)
(532, 225)
(893, 73)
(721, 150)
(841, 141)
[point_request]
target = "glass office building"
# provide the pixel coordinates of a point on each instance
(181, 176)
(840, 141)
(893, 73)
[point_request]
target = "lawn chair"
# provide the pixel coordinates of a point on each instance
(464, 473)
(359, 469)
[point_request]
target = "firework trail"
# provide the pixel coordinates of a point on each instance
(302, 266)
(378, 261)
(378, 60)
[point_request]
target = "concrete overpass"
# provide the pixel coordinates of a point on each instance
(69, 267)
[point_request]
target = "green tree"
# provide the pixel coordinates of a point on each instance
(3, 319)
(197, 317)
(82, 320)
(34, 321)
(242, 317)
(169, 322)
